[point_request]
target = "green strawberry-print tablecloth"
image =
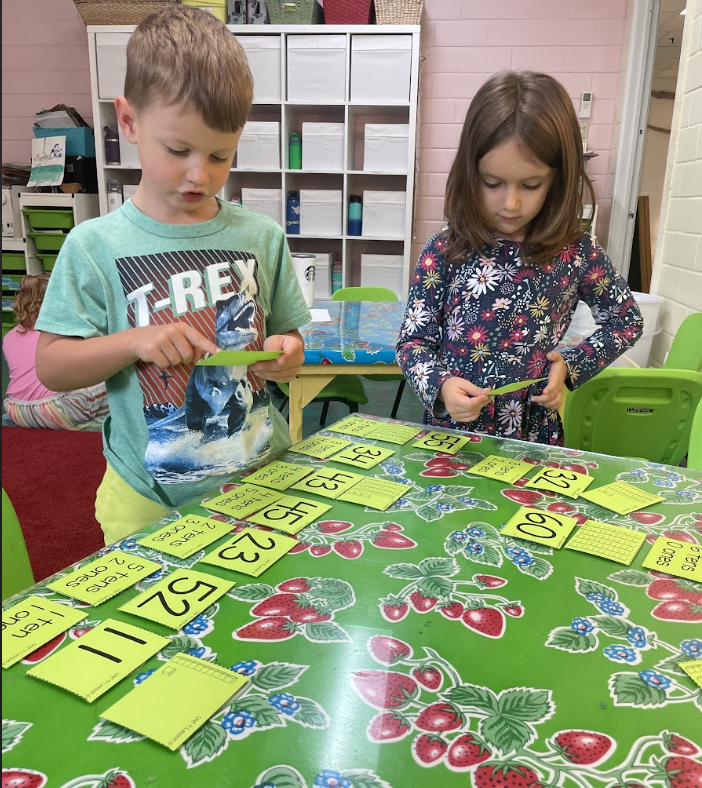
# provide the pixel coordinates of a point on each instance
(413, 647)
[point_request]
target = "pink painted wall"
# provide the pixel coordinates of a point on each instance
(45, 61)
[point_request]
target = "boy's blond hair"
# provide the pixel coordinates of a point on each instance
(182, 55)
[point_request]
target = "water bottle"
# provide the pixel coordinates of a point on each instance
(112, 153)
(114, 195)
(295, 152)
(336, 281)
(292, 220)
(355, 215)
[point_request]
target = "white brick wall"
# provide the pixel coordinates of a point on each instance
(677, 270)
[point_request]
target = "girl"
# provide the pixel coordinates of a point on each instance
(28, 403)
(495, 291)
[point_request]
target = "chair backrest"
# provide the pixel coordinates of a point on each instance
(686, 350)
(16, 570)
(364, 294)
(634, 413)
(694, 454)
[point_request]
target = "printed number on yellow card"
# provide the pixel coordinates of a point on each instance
(250, 552)
(539, 526)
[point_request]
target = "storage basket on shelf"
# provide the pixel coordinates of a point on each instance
(48, 242)
(347, 12)
(118, 12)
(398, 12)
(48, 261)
(49, 218)
(294, 12)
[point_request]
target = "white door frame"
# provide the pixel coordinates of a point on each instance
(632, 131)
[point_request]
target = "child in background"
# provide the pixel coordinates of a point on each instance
(138, 296)
(27, 402)
(494, 292)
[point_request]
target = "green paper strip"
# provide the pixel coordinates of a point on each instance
(238, 358)
(513, 387)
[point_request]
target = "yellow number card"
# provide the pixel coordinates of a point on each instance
(441, 441)
(604, 540)
(186, 536)
(178, 598)
(329, 483)
(31, 623)
(375, 493)
(176, 700)
(362, 455)
(290, 514)
(105, 577)
(504, 469)
(354, 425)
(536, 525)
(621, 497)
(319, 446)
(693, 668)
(242, 501)
(100, 659)
(279, 475)
(681, 559)
(393, 433)
(568, 483)
(250, 552)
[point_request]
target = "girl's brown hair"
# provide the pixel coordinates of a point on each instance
(536, 110)
(28, 299)
(182, 55)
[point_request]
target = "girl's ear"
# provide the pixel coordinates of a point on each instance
(126, 117)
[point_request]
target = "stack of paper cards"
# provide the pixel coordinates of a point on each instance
(607, 541)
(242, 501)
(320, 446)
(504, 469)
(568, 483)
(536, 525)
(441, 441)
(250, 552)
(279, 475)
(186, 536)
(176, 700)
(621, 497)
(375, 493)
(362, 455)
(681, 559)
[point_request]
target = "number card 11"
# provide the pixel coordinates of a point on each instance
(535, 525)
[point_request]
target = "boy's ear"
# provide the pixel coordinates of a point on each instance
(126, 117)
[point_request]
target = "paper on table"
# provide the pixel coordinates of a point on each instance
(320, 446)
(320, 315)
(100, 659)
(290, 514)
(393, 433)
(238, 358)
(536, 525)
(242, 501)
(329, 483)
(250, 552)
(362, 455)
(176, 700)
(441, 441)
(31, 623)
(693, 668)
(279, 475)
(568, 483)
(504, 469)
(605, 540)
(186, 536)
(354, 425)
(681, 559)
(513, 387)
(621, 497)
(375, 493)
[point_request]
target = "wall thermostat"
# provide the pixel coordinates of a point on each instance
(585, 104)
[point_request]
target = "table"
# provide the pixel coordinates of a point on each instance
(565, 669)
(360, 337)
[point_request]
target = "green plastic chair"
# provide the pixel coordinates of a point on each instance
(374, 294)
(344, 388)
(686, 350)
(16, 570)
(694, 454)
(643, 413)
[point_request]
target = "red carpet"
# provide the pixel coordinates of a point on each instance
(51, 477)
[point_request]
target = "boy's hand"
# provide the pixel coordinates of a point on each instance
(463, 399)
(171, 345)
(284, 368)
(552, 395)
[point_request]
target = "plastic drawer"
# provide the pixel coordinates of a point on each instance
(11, 282)
(48, 261)
(14, 261)
(48, 242)
(49, 218)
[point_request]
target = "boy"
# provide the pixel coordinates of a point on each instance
(141, 294)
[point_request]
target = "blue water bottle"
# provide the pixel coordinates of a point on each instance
(355, 214)
(292, 220)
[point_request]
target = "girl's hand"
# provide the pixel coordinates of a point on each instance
(170, 345)
(284, 368)
(463, 399)
(551, 396)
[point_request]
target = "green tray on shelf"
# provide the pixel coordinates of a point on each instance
(48, 242)
(49, 218)
(13, 261)
(48, 261)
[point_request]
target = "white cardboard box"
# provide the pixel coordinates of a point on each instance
(320, 212)
(384, 214)
(265, 201)
(382, 270)
(322, 275)
(111, 59)
(323, 147)
(385, 147)
(263, 53)
(317, 68)
(128, 153)
(380, 68)
(259, 146)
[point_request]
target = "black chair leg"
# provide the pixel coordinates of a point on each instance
(282, 405)
(353, 407)
(323, 417)
(398, 397)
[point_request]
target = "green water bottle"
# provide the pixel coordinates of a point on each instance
(295, 152)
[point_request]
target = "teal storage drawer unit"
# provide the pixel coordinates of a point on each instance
(80, 141)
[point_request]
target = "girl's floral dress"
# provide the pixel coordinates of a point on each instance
(492, 319)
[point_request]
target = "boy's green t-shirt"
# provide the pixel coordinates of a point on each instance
(174, 434)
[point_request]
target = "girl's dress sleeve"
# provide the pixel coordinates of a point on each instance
(615, 310)
(418, 347)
